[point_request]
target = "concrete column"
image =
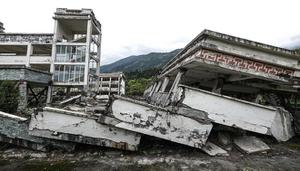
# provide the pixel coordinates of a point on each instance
(23, 93)
(174, 87)
(53, 53)
(87, 55)
(176, 81)
(100, 86)
(109, 86)
(122, 89)
(119, 87)
(218, 86)
(28, 54)
(153, 89)
(165, 84)
(68, 91)
(52, 66)
(49, 94)
(158, 86)
(98, 62)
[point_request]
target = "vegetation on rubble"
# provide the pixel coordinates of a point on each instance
(8, 96)
(137, 81)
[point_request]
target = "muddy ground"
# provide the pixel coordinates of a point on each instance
(154, 155)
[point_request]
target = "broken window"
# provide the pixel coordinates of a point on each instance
(69, 73)
(70, 53)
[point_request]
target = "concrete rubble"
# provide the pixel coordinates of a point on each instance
(217, 80)
(15, 130)
(78, 127)
(250, 144)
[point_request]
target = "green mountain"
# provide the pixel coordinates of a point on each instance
(140, 62)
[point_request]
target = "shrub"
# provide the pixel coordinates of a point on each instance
(9, 95)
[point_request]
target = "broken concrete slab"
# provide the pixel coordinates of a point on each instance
(14, 130)
(250, 144)
(158, 122)
(214, 150)
(79, 127)
(238, 113)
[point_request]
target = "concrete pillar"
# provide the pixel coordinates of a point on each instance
(100, 86)
(174, 87)
(176, 81)
(109, 92)
(52, 66)
(53, 53)
(119, 87)
(218, 86)
(68, 91)
(87, 55)
(23, 93)
(49, 94)
(153, 89)
(28, 54)
(165, 84)
(158, 86)
(98, 62)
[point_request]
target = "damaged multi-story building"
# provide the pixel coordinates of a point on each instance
(112, 83)
(217, 82)
(239, 83)
(69, 57)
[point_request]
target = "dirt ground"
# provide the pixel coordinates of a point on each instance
(154, 155)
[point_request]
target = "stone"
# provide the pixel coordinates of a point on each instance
(224, 138)
(214, 150)
(250, 144)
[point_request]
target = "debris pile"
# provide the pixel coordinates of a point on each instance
(119, 122)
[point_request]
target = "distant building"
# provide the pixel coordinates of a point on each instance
(112, 83)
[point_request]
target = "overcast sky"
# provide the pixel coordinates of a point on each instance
(133, 27)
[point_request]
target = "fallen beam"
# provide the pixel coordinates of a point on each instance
(238, 113)
(79, 127)
(14, 130)
(70, 99)
(158, 122)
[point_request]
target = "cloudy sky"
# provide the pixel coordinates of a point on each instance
(133, 27)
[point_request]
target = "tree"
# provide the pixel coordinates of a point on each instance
(9, 95)
(136, 87)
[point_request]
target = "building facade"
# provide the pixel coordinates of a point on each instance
(71, 53)
(112, 83)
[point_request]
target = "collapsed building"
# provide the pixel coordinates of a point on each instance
(216, 81)
(238, 82)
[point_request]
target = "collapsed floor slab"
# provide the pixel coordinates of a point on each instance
(237, 113)
(79, 127)
(14, 130)
(158, 122)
